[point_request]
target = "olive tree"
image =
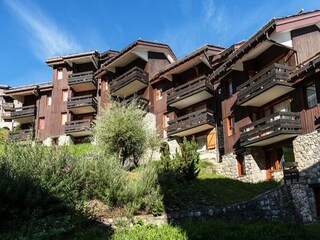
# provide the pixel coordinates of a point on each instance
(121, 130)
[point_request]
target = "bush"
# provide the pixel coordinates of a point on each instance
(122, 131)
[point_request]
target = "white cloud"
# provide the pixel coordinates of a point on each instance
(46, 38)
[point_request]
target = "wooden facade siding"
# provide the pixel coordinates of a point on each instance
(78, 126)
(276, 74)
(133, 74)
(82, 77)
(188, 89)
(22, 112)
(310, 119)
(191, 120)
(269, 126)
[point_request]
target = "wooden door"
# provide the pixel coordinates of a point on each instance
(273, 157)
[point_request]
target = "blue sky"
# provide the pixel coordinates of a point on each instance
(32, 31)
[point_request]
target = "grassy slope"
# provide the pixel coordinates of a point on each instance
(211, 189)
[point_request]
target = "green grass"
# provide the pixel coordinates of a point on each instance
(204, 164)
(211, 189)
(221, 231)
(80, 149)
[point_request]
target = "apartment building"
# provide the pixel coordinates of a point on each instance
(184, 103)
(269, 96)
(249, 106)
(6, 105)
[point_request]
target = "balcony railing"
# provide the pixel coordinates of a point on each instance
(82, 104)
(82, 81)
(254, 92)
(22, 135)
(6, 115)
(125, 85)
(23, 112)
(199, 88)
(78, 127)
(142, 102)
(7, 105)
(273, 128)
(191, 123)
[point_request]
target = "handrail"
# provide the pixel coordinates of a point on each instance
(188, 84)
(265, 71)
(272, 117)
(134, 69)
(191, 115)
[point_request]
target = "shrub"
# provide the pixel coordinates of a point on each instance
(121, 130)
(187, 160)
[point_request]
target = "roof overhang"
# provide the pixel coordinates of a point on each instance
(299, 21)
(257, 51)
(79, 58)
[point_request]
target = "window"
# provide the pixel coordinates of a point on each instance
(202, 143)
(49, 100)
(240, 161)
(60, 74)
(64, 118)
(158, 93)
(311, 95)
(65, 95)
(165, 120)
(42, 122)
(229, 88)
(231, 125)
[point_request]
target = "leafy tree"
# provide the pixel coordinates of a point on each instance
(122, 131)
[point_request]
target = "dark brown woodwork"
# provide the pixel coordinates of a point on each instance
(23, 112)
(188, 89)
(275, 74)
(82, 104)
(82, 81)
(286, 123)
(134, 74)
(22, 135)
(191, 120)
(78, 127)
(310, 119)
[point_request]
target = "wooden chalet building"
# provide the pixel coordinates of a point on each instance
(269, 98)
(250, 106)
(184, 100)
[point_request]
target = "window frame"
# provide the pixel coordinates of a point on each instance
(59, 73)
(42, 123)
(63, 123)
(314, 95)
(231, 130)
(63, 95)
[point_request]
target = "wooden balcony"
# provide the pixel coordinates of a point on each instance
(129, 83)
(6, 115)
(265, 86)
(7, 106)
(191, 123)
(22, 135)
(82, 104)
(24, 114)
(142, 102)
(190, 93)
(271, 129)
(83, 81)
(78, 128)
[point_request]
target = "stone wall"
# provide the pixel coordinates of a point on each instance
(274, 205)
(254, 166)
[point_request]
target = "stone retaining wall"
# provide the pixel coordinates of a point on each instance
(275, 205)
